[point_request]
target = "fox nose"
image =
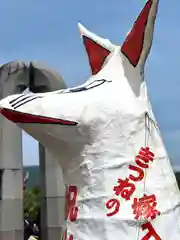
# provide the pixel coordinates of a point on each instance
(7, 106)
(6, 102)
(16, 101)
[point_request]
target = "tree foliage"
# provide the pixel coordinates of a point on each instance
(31, 202)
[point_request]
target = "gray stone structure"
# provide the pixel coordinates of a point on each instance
(52, 207)
(43, 79)
(15, 77)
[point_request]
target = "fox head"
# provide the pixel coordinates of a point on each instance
(73, 117)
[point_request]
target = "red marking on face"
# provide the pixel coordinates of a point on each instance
(20, 117)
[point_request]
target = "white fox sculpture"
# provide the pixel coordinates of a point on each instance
(120, 183)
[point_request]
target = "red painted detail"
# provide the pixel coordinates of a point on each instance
(144, 156)
(65, 237)
(145, 207)
(20, 117)
(133, 44)
(96, 54)
(113, 203)
(137, 170)
(124, 188)
(151, 232)
(71, 207)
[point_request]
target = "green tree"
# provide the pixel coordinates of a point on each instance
(31, 202)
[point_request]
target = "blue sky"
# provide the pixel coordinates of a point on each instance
(47, 31)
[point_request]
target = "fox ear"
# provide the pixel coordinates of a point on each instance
(137, 44)
(97, 48)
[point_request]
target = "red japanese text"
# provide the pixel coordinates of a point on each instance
(151, 232)
(71, 207)
(113, 204)
(145, 207)
(144, 157)
(124, 188)
(138, 170)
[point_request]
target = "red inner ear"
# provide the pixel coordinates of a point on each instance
(133, 44)
(96, 54)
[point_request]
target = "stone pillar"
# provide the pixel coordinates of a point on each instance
(11, 199)
(13, 79)
(53, 191)
(43, 79)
